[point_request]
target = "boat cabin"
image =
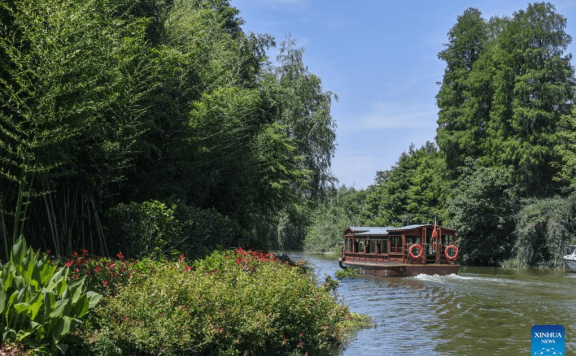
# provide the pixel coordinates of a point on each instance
(413, 244)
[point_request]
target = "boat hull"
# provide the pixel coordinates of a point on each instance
(401, 270)
(571, 263)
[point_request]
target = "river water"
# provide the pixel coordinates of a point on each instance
(482, 311)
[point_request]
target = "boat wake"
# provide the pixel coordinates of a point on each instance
(438, 278)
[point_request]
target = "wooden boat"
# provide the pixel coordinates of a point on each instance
(400, 251)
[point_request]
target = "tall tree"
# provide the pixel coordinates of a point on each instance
(533, 89)
(296, 100)
(462, 112)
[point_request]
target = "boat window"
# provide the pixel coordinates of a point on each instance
(348, 244)
(383, 245)
(395, 243)
(371, 246)
(447, 239)
(412, 239)
(360, 245)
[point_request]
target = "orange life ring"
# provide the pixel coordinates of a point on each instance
(419, 254)
(448, 257)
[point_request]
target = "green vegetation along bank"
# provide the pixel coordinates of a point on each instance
(232, 302)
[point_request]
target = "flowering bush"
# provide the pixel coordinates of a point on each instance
(104, 275)
(231, 302)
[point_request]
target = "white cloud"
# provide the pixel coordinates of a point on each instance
(386, 115)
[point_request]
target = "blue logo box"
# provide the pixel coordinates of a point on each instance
(547, 340)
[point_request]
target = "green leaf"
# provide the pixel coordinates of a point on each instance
(62, 328)
(74, 290)
(46, 273)
(81, 307)
(8, 276)
(94, 298)
(9, 334)
(2, 298)
(49, 302)
(62, 348)
(59, 308)
(58, 281)
(18, 251)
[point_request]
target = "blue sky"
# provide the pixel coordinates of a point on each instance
(380, 57)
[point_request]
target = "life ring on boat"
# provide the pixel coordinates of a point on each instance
(420, 253)
(448, 257)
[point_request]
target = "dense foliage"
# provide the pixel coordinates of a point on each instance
(39, 306)
(112, 109)
(502, 172)
(232, 302)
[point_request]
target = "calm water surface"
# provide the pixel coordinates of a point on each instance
(482, 311)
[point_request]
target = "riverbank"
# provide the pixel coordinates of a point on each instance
(232, 302)
(229, 303)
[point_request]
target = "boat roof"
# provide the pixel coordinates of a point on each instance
(371, 230)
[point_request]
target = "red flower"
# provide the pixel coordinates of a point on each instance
(182, 258)
(84, 251)
(75, 254)
(105, 283)
(188, 268)
(97, 269)
(120, 255)
(69, 263)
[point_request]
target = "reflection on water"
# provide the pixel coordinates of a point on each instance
(482, 311)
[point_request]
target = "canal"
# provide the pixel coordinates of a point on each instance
(482, 311)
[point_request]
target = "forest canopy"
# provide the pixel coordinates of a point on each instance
(119, 118)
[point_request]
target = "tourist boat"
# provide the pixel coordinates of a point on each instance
(400, 251)
(570, 258)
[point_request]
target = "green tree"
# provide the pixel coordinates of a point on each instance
(412, 192)
(482, 209)
(533, 89)
(544, 227)
(340, 209)
(295, 99)
(463, 115)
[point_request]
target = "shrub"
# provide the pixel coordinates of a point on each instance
(102, 274)
(348, 272)
(38, 307)
(158, 230)
(230, 303)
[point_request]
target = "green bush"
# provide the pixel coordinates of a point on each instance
(37, 305)
(156, 229)
(230, 303)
